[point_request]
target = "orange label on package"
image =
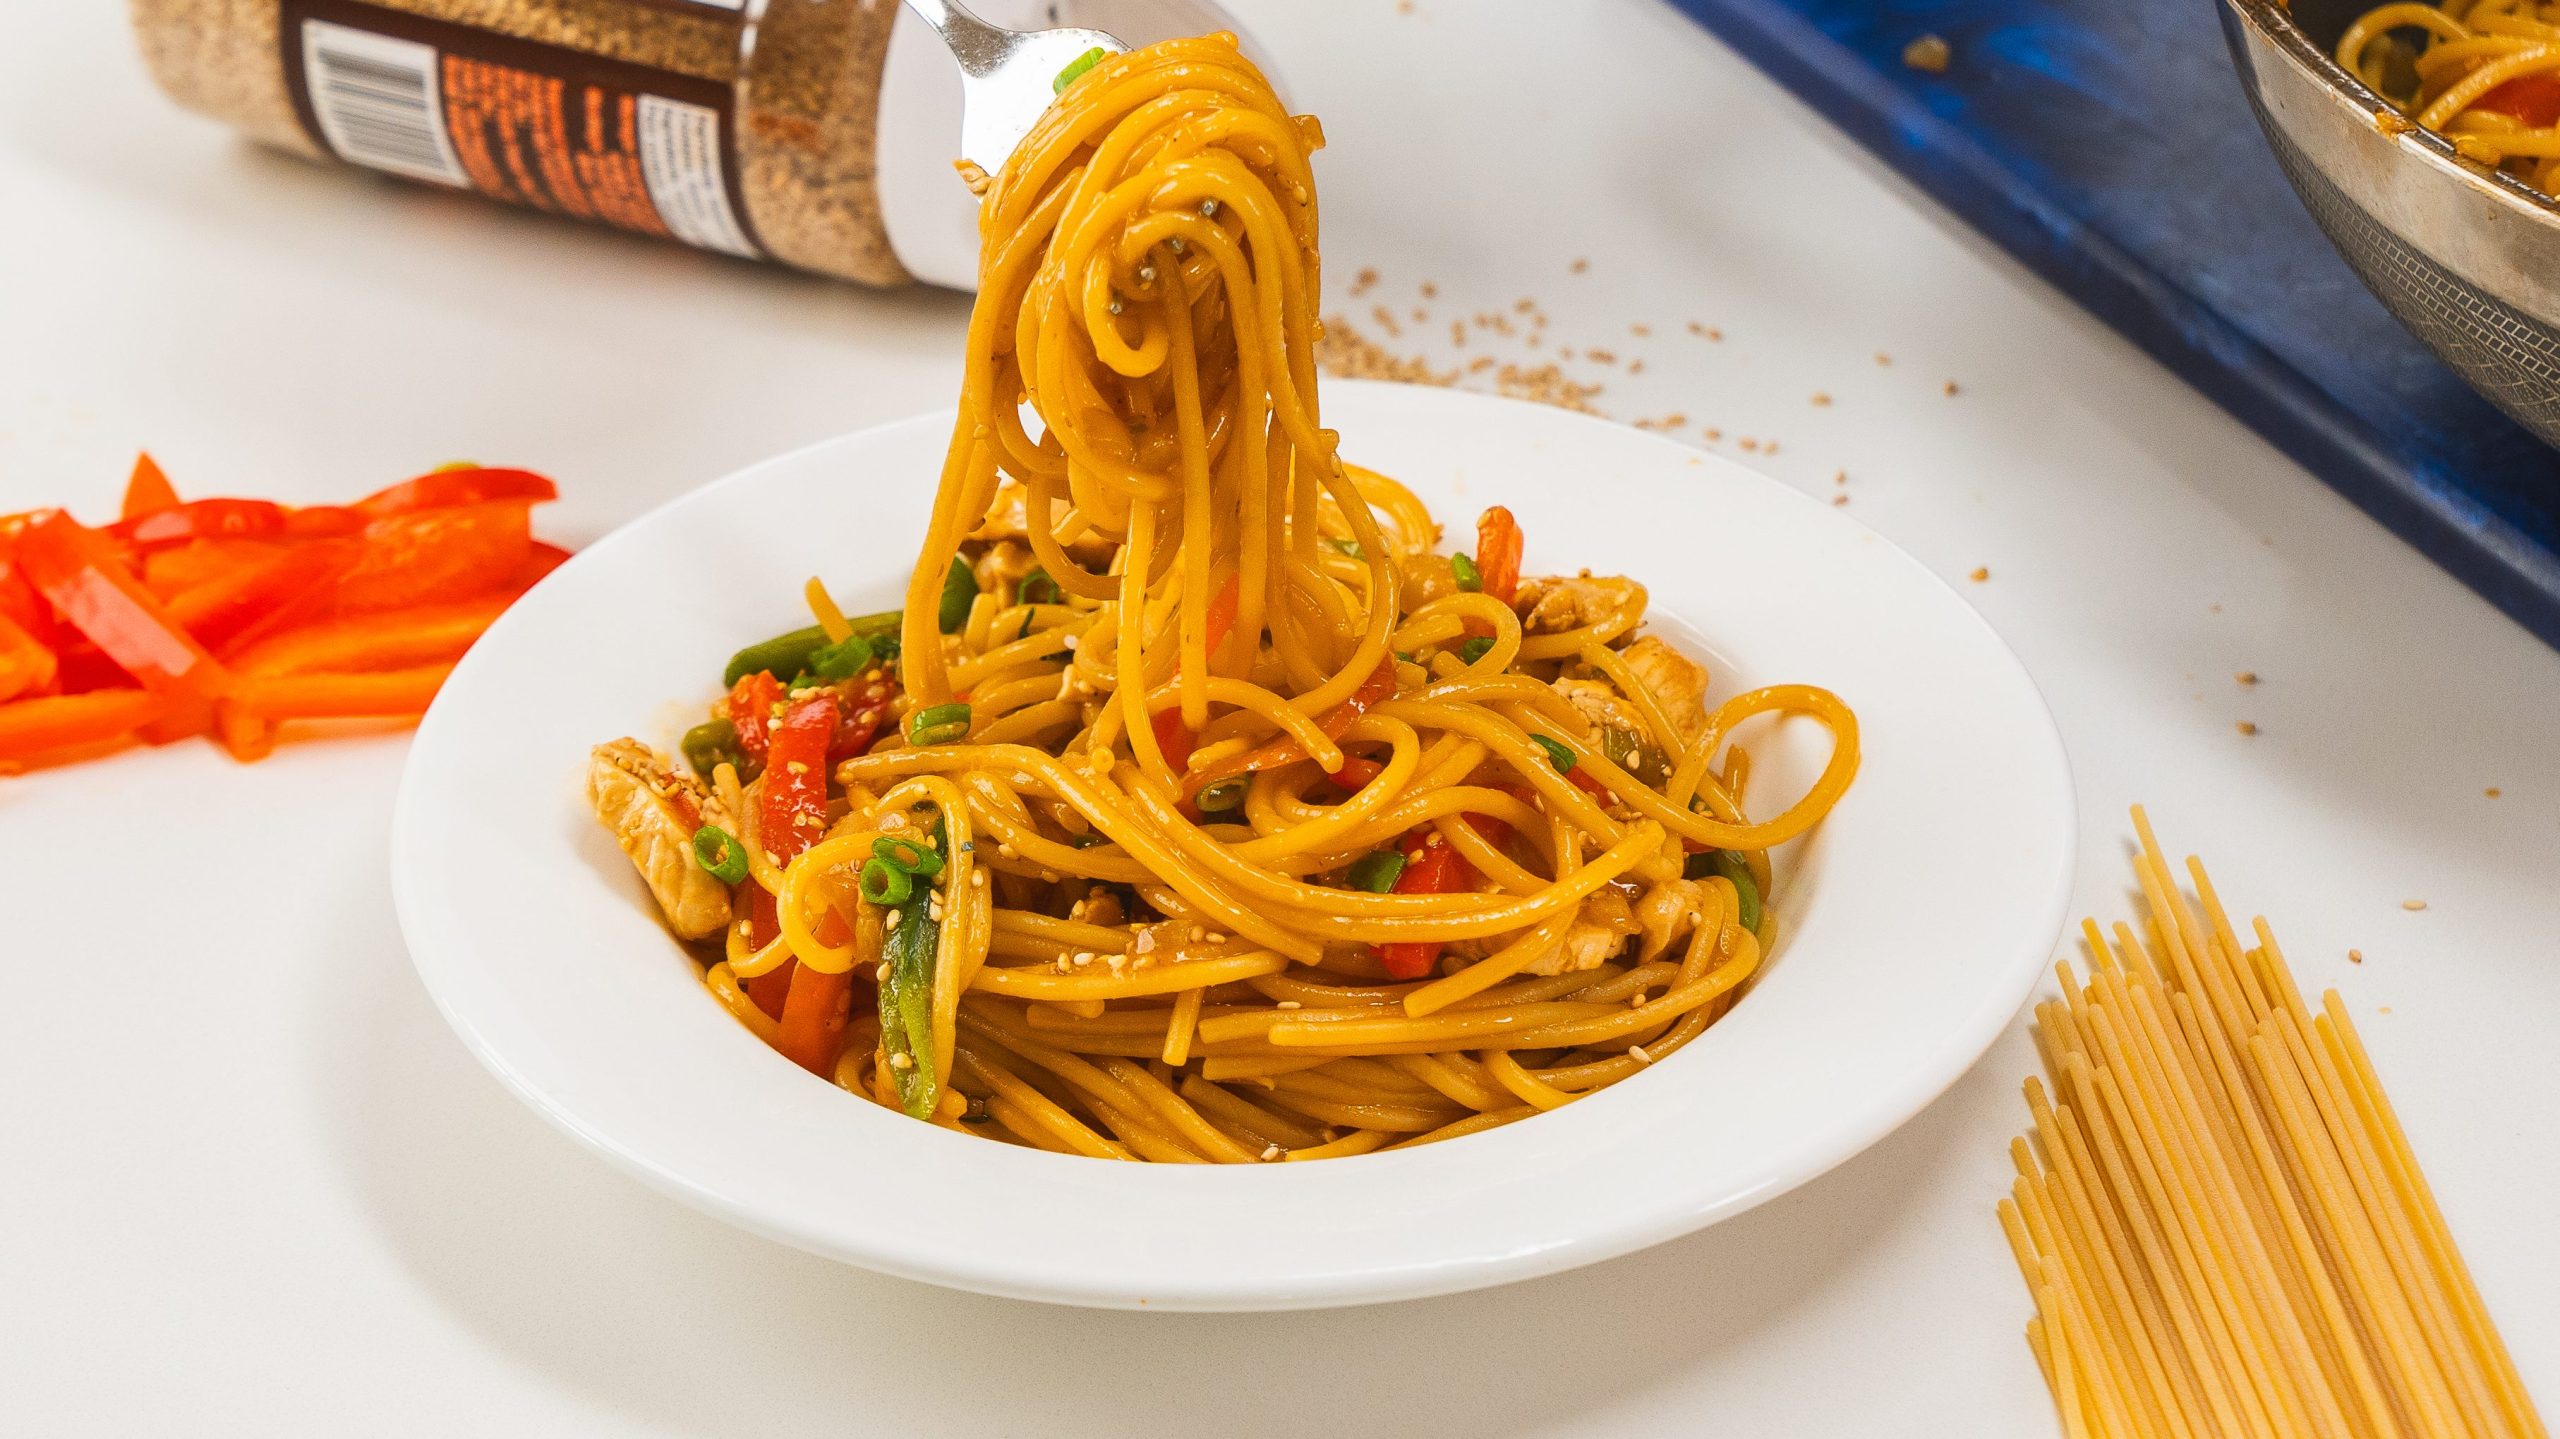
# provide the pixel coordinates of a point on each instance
(535, 125)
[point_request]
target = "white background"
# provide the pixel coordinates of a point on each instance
(248, 1182)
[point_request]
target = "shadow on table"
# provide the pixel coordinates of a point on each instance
(672, 1318)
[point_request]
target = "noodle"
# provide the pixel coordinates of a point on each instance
(1196, 805)
(2485, 74)
(2217, 1214)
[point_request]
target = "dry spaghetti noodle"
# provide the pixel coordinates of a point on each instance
(2223, 1225)
(1196, 806)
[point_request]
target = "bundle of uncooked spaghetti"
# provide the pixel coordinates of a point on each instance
(2224, 1226)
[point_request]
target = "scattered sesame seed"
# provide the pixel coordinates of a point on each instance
(1640, 1053)
(1579, 265)
(2493, 791)
(2413, 905)
(2355, 956)
(1839, 499)
(1430, 291)
(1288, 1004)
(1883, 359)
(2246, 727)
(1980, 573)
(2246, 677)
(900, 1061)
(1750, 445)
(1951, 387)
(1839, 477)
(880, 973)
(1713, 433)
(1928, 54)
(1600, 356)
(1821, 397)
(1361, 282)
(1271, 1152)
(1640, 331)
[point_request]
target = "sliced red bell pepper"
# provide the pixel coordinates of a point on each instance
(173, 571)
(1281, 750)
(314, 522)
(869, 706)
(147, 488)
(71, 566)
(33, 727)
(2533, 100)
(27, 664)
(791, 816)
(1430, 867)
(1498, 545)
(813, 1013)
(214, 519)
(751, 704)
(224, 610)
(430, 634)
(1174, 738)
(383, 694)
(436, 556)
(445, 489)
(541, 560)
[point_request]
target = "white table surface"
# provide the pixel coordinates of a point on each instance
(250, 1184)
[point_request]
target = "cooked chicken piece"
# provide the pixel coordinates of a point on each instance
(1005, 521)
(1676, 682)
(1595, 937)
(1666, 915)
(1617, 725)
(1549, 603)
(1001, 566)
(653, 811)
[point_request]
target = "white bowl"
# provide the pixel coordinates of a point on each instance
(1912, 925)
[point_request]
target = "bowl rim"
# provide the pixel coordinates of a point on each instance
(446, 950)
(2275, 21)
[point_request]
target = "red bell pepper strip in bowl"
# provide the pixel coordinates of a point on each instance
(792, 816)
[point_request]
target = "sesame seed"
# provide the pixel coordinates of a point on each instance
(1638, 1050)
(2246, 727)
(1980, 573)
(900, 1061)
(2246, 677)
(2492, 792)
(1821, 397)
(880, 973)
(1271, 1152)
(1951, 387)
(2355, 956)
(2413, 905)
(1579, 266)
(1288, 1004)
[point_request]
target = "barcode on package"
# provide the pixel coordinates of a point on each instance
(378, 103)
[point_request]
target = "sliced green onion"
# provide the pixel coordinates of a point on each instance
(1218, 798)
(719, 854)
(886, 885)
(785, 654)
(959, 590)
(1733, 867)
(1378, 870)
(1037, 589)
(842, 660)
(1469, 577)
(939, 724)
(908, 855)
(1474, 648)
(1348, 547)
(1088, 839)
(711, 744)
(1557, 754)
(1076, 67)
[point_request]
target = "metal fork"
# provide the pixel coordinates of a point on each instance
(1007, 77)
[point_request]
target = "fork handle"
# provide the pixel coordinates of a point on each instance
(977, 45)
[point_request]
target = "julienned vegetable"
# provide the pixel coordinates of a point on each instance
(1557, 755)
(1077, 67)
(1733, 867)
(225, 616)
(959, 591)
(1465, 572)
(906, 1010)
(1377, 871)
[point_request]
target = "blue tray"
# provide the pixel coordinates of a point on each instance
(2107, 145)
